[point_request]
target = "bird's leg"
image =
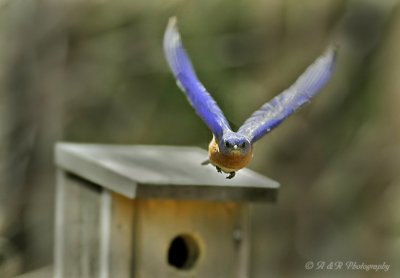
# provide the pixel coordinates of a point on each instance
(205, 162)
(218, 169)
(231, 175)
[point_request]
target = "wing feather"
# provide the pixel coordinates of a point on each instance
(271, 114)
(187, 80)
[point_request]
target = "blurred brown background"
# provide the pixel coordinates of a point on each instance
(94, 71)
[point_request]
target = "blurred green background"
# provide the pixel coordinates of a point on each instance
(94, 71)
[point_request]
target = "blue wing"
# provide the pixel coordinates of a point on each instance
(199, 98)
(271, 114)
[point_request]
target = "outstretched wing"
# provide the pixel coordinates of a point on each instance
(271, 114)
(199, 98)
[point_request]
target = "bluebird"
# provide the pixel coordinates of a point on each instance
(230, 151)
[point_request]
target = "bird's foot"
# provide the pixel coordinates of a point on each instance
(231, 175)
(218, 169)
(205, 162)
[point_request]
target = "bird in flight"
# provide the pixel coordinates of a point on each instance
(230, 151)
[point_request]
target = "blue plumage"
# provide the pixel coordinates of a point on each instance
(199, 98)
(271, 114)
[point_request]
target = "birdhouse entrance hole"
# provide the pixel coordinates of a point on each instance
(183, 252)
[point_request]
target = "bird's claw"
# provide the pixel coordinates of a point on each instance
(231, 175)
(219, 170)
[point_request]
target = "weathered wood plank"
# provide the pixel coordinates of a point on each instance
(77, 227)
(121, 237)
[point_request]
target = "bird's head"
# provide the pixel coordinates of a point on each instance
(233, 143)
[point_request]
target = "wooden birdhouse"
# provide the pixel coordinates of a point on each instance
(151, 211)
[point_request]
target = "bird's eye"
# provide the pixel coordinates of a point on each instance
(243, 145)
(227, 144)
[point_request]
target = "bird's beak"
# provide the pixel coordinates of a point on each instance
(235, 147)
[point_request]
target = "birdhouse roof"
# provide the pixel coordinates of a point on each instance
(166, 172)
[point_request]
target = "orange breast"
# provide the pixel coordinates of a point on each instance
(228, 162)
